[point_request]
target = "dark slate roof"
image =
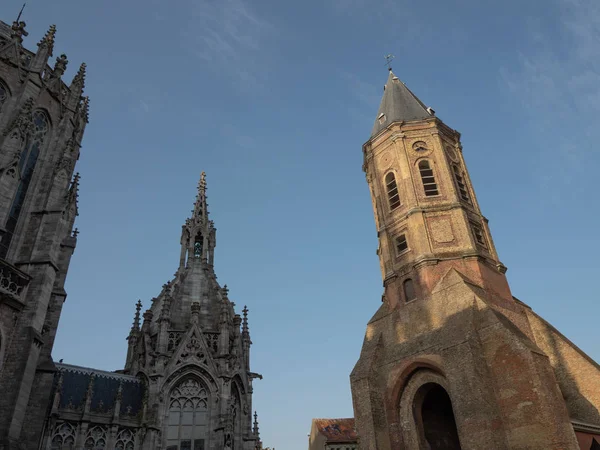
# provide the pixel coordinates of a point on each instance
(75, 384)
(337, 430)
(398, 104)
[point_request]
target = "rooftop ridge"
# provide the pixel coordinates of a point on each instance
(97, 372)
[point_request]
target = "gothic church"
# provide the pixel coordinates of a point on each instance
(187, 383)
(451, 360)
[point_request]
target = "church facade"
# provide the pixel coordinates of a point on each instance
(186, 382)
(451, 360)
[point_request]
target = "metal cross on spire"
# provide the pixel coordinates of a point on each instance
(388, 61)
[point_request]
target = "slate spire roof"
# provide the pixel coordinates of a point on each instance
(398, 104)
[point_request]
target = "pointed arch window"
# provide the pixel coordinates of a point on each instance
(391, 188)
(460, 183)
(409, 290)
(198, 244)
(429, 185)
(125, 440)
(236, 417)
(3, 94)
(29, 156)
(188, 416)
(96, 439)
(63, 437)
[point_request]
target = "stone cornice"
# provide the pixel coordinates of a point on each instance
(585, 427)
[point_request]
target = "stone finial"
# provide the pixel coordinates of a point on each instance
(73, 194)
(85, 109)
(60, 66)
(200, 206)
(75, 233)
(136, 317)
(245, 329)
(48, 39)
(148, 314)
(165, 311)
(79, 78)
(202, 183)
(255, 429)
(225, 291)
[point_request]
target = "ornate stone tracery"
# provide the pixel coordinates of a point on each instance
(63, 436)
(188, 415)
(125, 439)
(96, 438)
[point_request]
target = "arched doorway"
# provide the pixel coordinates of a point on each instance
(435, 418)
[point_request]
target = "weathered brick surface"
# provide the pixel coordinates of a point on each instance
(514, 382)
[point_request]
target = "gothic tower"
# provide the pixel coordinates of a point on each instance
(186, 384)
(193, 351)
(451, 360)
(42, 121)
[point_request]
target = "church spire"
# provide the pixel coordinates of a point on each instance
(413, 161)
(198, 233)
(136, 318)
(200, 207)
(398, 104)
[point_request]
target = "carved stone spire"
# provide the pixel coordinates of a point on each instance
(165, 311)
(79, 78)
(245, 330)
(45, 48)
(136, 318)
(48, 39)
(200, 207)
(85, 109)
(76, 87)
(74, 189)
(257, 443)
(47, 42)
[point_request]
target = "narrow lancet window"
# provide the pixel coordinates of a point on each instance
(409, 290)
(429, 184)
(29, 157)
(198, 246)
(392, 191)
(460, 183)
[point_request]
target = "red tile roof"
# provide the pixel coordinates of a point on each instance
(337, 430)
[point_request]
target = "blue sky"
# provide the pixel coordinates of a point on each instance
(274, 100)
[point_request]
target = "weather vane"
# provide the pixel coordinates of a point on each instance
(388, 61)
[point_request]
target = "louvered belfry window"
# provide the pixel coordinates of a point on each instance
(460, 183)
(429, 185)
(392, 191)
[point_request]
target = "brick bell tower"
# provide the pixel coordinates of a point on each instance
(42, 121)
(451, 360)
